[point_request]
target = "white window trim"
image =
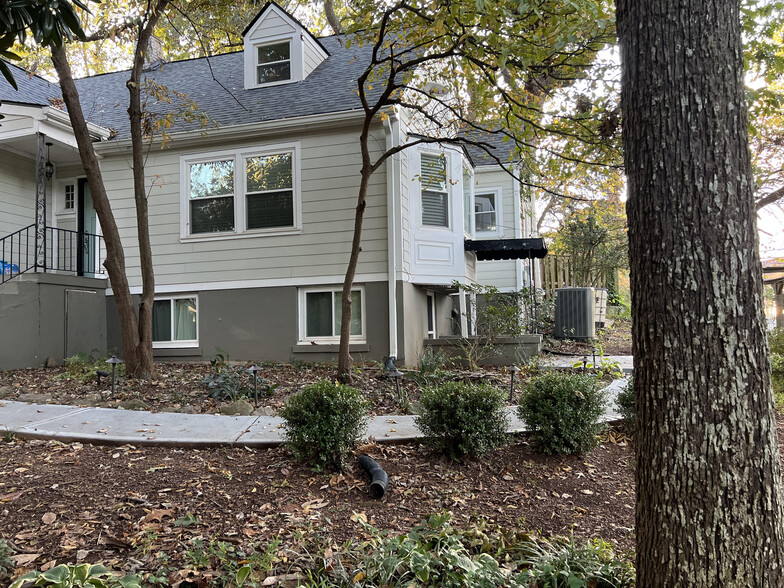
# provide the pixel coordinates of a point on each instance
(302, 327)
(240, 218)
(469, 232)
(296, 59)
(499, 216)
(431, 309)
(178, 344)
(450, 205)
(60, 210)
(290, 61)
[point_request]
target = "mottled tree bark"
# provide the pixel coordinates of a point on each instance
(708, 477)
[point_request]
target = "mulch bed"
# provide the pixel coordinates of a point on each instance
(179, 387)
(123, 506)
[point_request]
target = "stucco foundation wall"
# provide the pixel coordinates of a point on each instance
(414, 319)
(46, 315)
(508, 350)
(261, 324)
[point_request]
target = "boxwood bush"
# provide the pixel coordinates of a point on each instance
(323, 422)
(561, 411)
(463, 419)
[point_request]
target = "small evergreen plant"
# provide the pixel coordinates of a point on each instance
(460, 419)
(561, 412)
(627, 405)
(323, 422)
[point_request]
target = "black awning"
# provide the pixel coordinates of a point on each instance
(491, 249)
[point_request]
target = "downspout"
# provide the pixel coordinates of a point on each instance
(518, 231)
(393, 177)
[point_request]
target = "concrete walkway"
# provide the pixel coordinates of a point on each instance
(118, 427)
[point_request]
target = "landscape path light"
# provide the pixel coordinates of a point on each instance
(254, 369)
(114, 361)
(514, 370)
(393, 372)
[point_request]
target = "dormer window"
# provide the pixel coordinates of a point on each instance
(278, 49)
(273, 63)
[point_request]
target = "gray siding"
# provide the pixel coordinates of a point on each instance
(501, 274)
(272, 26)
(17, 192)
(312, 55)
(330, 164)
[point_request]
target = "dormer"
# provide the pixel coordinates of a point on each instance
(279, 49)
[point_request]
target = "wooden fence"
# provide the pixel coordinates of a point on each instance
(557, 272)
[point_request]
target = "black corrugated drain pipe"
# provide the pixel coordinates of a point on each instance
(378, 477)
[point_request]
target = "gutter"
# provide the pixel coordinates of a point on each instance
(245, 131)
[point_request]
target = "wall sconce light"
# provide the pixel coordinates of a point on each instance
(48, 166)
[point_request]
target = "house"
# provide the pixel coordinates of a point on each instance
(251, 217)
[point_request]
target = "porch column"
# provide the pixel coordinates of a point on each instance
(40, 204)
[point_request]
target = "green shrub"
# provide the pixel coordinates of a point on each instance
(570, 566)
(626, 403)
(323, 423)
(77, 576)
(463, 419)
(561, 411)
(776, 341)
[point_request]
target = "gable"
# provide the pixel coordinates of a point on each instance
(278, 49)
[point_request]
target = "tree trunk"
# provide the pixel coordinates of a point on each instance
(144, 365)
(115, 257)
(344, 356)
(708, 475)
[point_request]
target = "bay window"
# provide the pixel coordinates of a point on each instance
(435, 196)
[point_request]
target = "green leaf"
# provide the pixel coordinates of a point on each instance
(57, 574)
(242, 575)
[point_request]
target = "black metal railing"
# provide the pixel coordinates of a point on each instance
(63, 251)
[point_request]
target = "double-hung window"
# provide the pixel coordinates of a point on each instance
(175, 322)
(435, 196)
(273, 62)
(320, 314)
(269, 191)
(486, 212)
(241, 192)
(211, 196)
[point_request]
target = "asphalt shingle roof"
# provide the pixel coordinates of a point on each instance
(331, 87)
(32, 89)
